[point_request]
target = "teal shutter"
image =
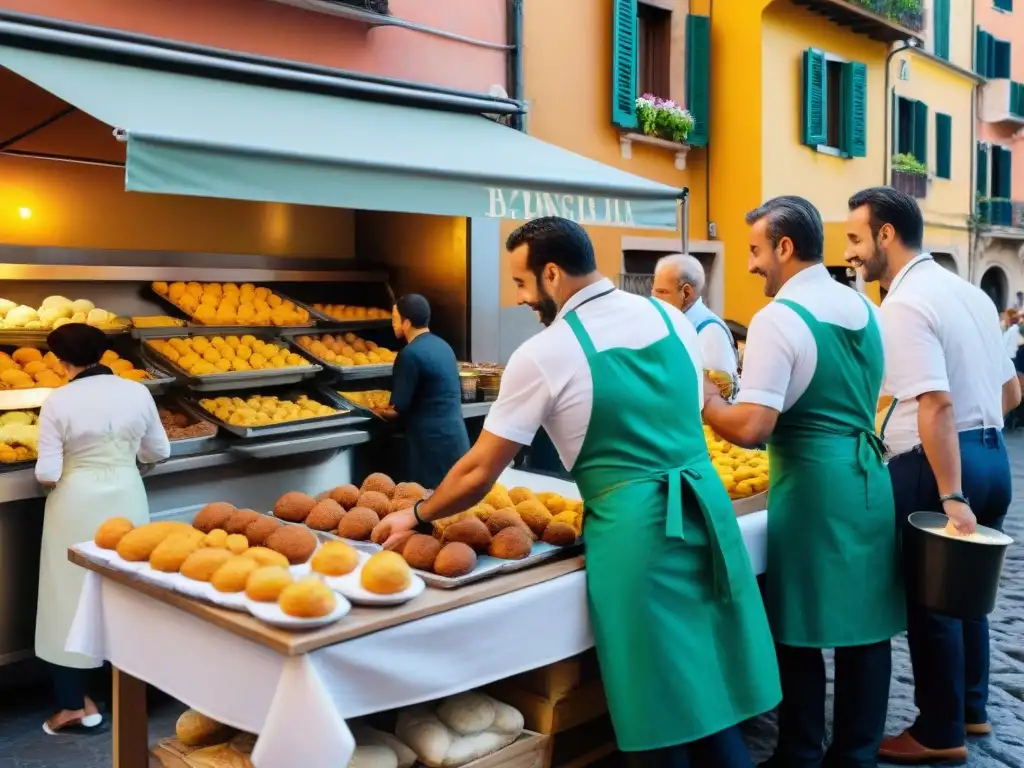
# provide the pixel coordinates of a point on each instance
(981, 51)
(1003, 5)
(920, 150)
(1005, 171)
(698, 76)
(815, 98)
(940, 21)
(981, 185)
(943, 146)
(1001, 56)
(854, 129)
(624, 67)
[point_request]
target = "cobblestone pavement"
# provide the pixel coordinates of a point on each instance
(24, 745)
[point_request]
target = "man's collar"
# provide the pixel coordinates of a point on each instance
(602, 285)
(698, 303)
(804, 276)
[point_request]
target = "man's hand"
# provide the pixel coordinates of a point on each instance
(962, 521)
(395, 529)
(710, 390)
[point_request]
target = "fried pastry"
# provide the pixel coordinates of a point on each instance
(520, 494)
(203, 563)
(175, 550)
(232, 577)
(294, 506)
(379, 483)
(138, 544)
(325, 515)
(258, 530)
(535, 515)
(560, 534)
(112, 531)
(265, 584)
(240, 520)
(334, 558)
(218, 537)
(511, 544)
(358, 524)
(346, 495)
(455, 560)
(213, 515)
(265, 557)
(236, 544)
(385, 573)
(469, 531)
(420, 551)
(295, 542)
(307, 599)
(376, 501)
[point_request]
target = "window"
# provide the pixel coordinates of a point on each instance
(910, 128)
(992, 56)
(940, 28)
(834, 104)
(1003, 5)
(981, 186)
(643, 62)
(1002, 169)
(654, 49)
(943, 146)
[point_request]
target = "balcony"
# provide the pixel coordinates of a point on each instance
(996, 212)
(889, 21)
(1002, 101)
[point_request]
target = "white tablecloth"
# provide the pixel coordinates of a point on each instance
(299, 705)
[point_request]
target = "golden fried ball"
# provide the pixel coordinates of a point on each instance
(175, 550)
(376, 501)
(358, 524)
(455, 560)
(112, 531)
(138, 544)
(258, 530)
(236, 543)
(346, 495)
(325, 515)
(521, 494)
(511, 544)
(506, 518)
(307, 599)
(213, 515)
(380, 483)
(265, 557)
(553, 501)
(231, 577)
(218, 537)
(535, 515)
(294, 507)
(266, 584)
(203, 563)
(471, 531)
(294, 542)
(240, 520)
(560, 534)
(385, 573)
(412, 491)
(399, 503)
(498, 498)
(420, 551)
(335, 558)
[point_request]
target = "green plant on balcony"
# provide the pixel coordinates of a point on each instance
(663, 119)
(908, 164)
(909, 13)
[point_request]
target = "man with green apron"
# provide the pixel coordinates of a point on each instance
(811, 379)
(615, 380)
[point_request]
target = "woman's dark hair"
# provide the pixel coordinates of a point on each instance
(414, 308)
(887, 205)
(796, 218)
(554, 240)
(78, 344)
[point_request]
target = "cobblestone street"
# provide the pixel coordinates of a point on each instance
(23, 744)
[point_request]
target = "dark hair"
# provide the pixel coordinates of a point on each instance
(558, 241)
(414, 308)
(796, 218)
(887, 205)
(78, 344)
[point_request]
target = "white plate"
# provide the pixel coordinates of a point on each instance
(350, 587)
(193, 588)
(235, 601)
(270, 613)
(335, 582)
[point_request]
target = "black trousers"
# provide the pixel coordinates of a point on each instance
(70, 686)
(950, 657)
(861, 702)
(724, 749)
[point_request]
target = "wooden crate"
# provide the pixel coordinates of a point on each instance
(751, 504)
(171, 753)
(556, 681)
(581, 746)
(528, 751)
(548, 716)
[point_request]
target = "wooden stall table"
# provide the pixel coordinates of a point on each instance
(297, 689)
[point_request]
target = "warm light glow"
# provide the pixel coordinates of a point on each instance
(25, 213)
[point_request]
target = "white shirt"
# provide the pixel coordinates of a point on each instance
(941, 334)
(716, 349)
(1012, 340)
(780, 355)
(547, 381)
(78, 414)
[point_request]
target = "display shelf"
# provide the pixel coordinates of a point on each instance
(319, 442)
(175, 309)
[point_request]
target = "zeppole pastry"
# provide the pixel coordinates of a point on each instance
(385, 573)
(294, 507)
(264, 556)
(335, 558)
(213, 515)
(346, 495)
(175, 550)
(234, 574)
(455, 560)
(112, 531)
(265, 585)
(420, 551)
(218, 538)
(203, 563)
(137, 545)
(294, 542)
(236, 543)
(307, 599)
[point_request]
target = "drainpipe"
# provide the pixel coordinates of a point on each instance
(707, 150)
(515, 60)
(887, 154)
(684, 198)
(972, 231)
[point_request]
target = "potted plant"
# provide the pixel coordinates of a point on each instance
(663, 119)
(910, 175)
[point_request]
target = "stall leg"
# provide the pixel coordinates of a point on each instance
(131, 722)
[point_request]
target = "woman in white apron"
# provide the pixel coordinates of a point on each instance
(90, 434)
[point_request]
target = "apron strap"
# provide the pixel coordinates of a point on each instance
(581, 334)
(664, 316)
(801, 311)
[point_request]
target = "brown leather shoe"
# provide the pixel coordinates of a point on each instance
(906, 750)
(978, 729)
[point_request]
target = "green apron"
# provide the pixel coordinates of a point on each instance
(833, 563)
(680, 629)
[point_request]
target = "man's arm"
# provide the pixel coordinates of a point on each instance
(1011, 395)
(936, 423)
(744, 424)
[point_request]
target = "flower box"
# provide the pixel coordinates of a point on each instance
(915, 184)
(662, 123)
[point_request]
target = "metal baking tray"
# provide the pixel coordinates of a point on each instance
(327, 320)
(319, 441)
(337, 399)
(221, 329)
(487, 566)
(17, 337)
(15, 466)
(342, 419)
(192, 445)
(219, 382)
(347, 373)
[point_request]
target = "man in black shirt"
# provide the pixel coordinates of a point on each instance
(426, 397)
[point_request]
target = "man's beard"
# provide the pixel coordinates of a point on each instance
(546, 308)
(873, 270)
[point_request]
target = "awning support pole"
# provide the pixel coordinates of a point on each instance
(37, 127)
(684, 198)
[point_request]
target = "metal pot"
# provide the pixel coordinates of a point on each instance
(957, 577)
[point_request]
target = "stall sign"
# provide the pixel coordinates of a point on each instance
(524, 204)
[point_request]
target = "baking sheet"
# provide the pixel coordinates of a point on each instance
(487, 566)
(221, 382)
(227, 328)
(348, 372)
(341, 419)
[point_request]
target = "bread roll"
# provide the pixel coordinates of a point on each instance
(194, 729)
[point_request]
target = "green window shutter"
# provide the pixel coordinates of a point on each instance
(981, 52)
(854, 129)
(1001, 55)
(624, 64)
(1003, 5)
(698, 76)
(940, 21)
(920, 150)
(981, 186)
(943, 146)
(1005, 171)
(815, 98)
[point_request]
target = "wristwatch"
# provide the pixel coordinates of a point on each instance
(956, 496)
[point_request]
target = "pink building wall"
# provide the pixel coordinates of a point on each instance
(271, 29)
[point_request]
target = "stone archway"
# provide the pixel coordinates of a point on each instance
(995, 283)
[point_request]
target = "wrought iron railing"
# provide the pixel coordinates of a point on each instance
(1000, 212)
(638, 284)
(907, 13)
